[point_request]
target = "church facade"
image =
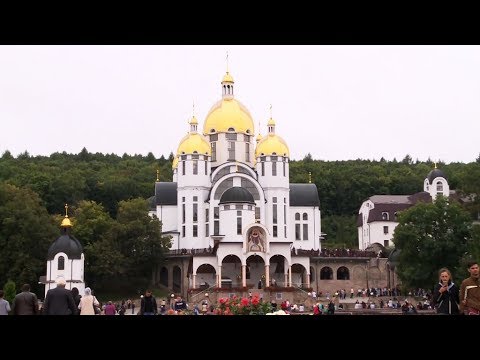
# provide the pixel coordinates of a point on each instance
(235, 219)
(377, 217)
(65, 259)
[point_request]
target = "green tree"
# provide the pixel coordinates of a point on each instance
(91, 222)
(104, 262)
(431, 236)
(10, 290)
(139, 236)
(473, 249)
(26, 232)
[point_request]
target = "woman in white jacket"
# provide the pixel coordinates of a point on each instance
(87, 303)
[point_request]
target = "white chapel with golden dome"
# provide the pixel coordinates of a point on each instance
(235, 219)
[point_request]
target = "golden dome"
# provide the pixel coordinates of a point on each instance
(175, 162)
(226, 114)
(66, 222)
(227, 78)
(194, 142)
(272, 145)
(194, 121)
(259, 137)
(271, 122)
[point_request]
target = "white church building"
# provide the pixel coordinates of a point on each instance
(65, 258)
(377, 217)
(235, 219)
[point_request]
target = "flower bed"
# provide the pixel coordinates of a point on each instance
(243, 306)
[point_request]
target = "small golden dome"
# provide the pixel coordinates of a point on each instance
(272, 145)
(194, 142)
(259, 137)
(66, 222)
(227, 78)
(228, 114)
(175, 162)
(271, 122)
(194, 121)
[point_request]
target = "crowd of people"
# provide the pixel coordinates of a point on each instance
(447, 298)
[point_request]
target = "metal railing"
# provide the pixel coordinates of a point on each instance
(192, 297)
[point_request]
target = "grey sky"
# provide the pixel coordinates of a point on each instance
(336, 102)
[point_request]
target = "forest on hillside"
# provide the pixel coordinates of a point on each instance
(108, 179)
(107, 194)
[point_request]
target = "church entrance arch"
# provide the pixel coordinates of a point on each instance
(299, 275)
(177, 279)
(277, 270)
(206, 276)
(232, 270)
(164, 276)
(256, 268)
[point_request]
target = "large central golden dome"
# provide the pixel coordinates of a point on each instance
(228, 114)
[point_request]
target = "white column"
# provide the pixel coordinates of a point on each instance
(219, 277)
(267, 275)
(244, 275)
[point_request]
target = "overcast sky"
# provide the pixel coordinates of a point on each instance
(335, 102)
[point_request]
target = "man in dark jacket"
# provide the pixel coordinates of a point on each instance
(59, 301)
(148, 304)
(26, 302)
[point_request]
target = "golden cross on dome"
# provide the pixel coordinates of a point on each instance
(227, 62)
(435, 164)
(270, 111)
(309, 177)
(158, 173)
(66, 210)
(193, 109)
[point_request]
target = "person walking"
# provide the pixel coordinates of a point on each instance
(26, 302)
(446, 294)
(76, 298)
(470, 291)
(4, 304)
(59, 301)
(88, 303)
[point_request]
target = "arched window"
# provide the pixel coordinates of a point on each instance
(326, 273)
(439, 187)
(61, 263)
(343, 273)
(305, 216)
(385, 215)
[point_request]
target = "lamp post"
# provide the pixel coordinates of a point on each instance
(366, 276)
